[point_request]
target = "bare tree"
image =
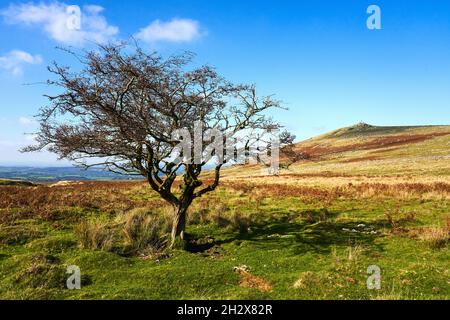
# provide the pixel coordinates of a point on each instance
(121, 109)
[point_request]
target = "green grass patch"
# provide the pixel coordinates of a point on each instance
(303, 251)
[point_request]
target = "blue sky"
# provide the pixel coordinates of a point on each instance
(316, 56)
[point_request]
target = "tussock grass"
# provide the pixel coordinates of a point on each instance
(214, 211)
(95, 234)
(436, 237)
(138, 231)
(144, 232)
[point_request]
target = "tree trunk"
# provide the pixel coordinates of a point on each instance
(179, 224)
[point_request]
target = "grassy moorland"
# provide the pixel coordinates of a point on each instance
(362, 196)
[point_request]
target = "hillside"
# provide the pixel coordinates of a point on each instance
(369, 150)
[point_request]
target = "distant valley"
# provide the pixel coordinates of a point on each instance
(52, 174)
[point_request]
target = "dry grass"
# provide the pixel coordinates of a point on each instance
(351, 190)
(138, 231)
(397, 219)
(437, 236)
(52, 203)
(308, 280)
(385, 155)
(144, 232)
(248, 280)
(213, 210)
(95, 234)
(240, 223)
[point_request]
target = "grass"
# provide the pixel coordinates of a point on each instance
(294, 248)
(309, 233)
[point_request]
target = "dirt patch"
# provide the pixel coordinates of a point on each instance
(248, 280)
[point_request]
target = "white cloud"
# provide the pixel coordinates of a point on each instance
(24, 121)
(93, 9)
(58, 22)
(175, 30)
(14, 60)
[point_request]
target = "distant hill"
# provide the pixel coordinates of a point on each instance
(377, 139)
(53, 174)
(369, 149)
(365, 149)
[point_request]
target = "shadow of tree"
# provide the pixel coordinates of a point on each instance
(310, 231)
(194, 247)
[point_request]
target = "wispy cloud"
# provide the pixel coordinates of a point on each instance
(14, 61)
(56, 20)
(175, 30)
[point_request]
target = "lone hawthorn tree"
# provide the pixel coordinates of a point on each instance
(120, 110)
